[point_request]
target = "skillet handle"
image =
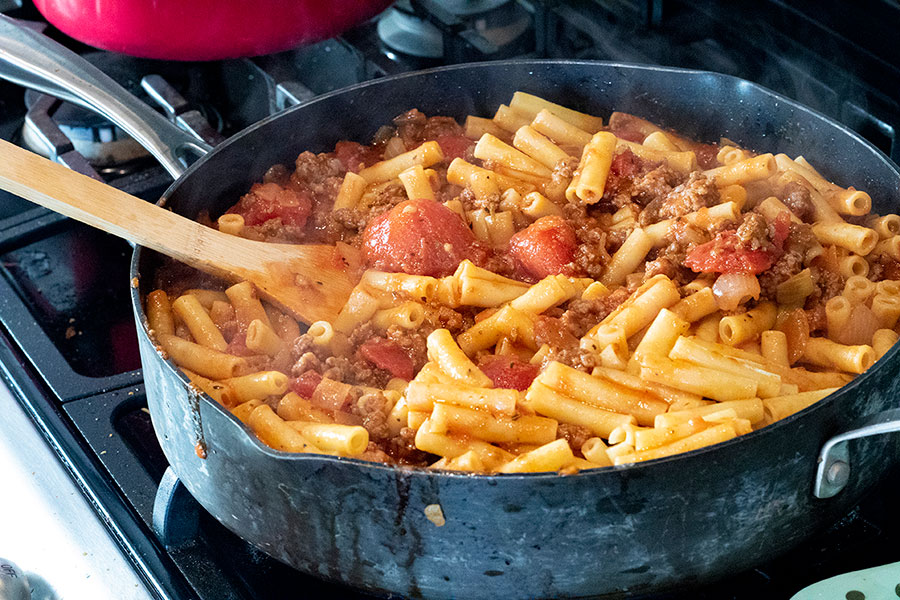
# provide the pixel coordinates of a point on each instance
(35, 61)
(833, 471)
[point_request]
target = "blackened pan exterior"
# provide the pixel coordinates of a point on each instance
(609, 532)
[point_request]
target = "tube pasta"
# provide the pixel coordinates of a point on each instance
(200, 359)
(737, 329)
(884, 340)
(538, 147)
(232, 224)
(855, 238)
(347, 440)
(495, 150)
(549, 457)
(202, 328)
(851, 359)
(160, 319)
(627, 257)
(744, 171)
(531, 105)
(425, 155)
(589, 182)
(525, 429)
(560, 131)
(556, 405)
(416, 183)
(350, 192)
(275, 432)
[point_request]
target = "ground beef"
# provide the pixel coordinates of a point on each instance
(654, 185)
(801, 240)
(681, 238)
(438, 316)
(576, 358)
(789, 264)
(828, 283)
(753, 232)
(355, 371)
(576, 435)
(692, 195)
(884, 267)
(591, 254)
(663, 265)
(642, 182)
(581, 315)
(414, 128)
(373, 409)
(797, 198)
(403, 448)
(352, 221)
(564, 170)
(469, 201)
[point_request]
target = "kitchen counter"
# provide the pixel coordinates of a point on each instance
(48, 527)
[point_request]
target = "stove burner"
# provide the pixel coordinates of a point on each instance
(408, 33)
(454, 30)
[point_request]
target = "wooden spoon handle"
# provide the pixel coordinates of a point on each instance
(84, 199)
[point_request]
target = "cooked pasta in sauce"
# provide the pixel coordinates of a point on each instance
(543, 291)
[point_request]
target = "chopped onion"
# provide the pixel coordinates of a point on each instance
(733, 289)
(860, 328)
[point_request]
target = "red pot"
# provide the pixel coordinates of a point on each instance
(204, 29)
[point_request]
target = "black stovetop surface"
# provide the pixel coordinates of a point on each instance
(67, 337)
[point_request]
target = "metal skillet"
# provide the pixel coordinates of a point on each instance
(613, 532)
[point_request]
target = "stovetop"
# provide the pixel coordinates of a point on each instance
(67, 337)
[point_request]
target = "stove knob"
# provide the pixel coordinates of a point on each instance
(13, 583)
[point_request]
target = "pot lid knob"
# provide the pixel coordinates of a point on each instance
(13, 583)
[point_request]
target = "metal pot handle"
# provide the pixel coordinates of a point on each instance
(33, 60)
(833, 471)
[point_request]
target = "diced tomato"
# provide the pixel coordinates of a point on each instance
(269, 201)
(722, 255)
(355, 156)
(782, 226)
(706, 155)
(238, 345)
(629, 127)
(306, 384)
(454, 146)
(550, 330)
(388, 355)
(625, 164)
(418, 237)
(508, 371)
(546, 247)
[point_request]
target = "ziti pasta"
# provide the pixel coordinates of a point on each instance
(543, 290)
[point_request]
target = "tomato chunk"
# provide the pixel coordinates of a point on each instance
(306, 384)
(418, 237)
(508, 371)
(724, 255)
(546, 247)
(267, 201)
(454, 146)
(388, 355)
(355, 156)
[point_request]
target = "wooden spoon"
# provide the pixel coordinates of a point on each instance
(312, 282)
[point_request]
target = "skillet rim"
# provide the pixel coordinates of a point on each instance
(737, 82)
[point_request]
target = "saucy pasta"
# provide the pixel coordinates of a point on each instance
(543, 290)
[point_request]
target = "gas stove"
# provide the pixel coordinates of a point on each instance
(68, 346)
